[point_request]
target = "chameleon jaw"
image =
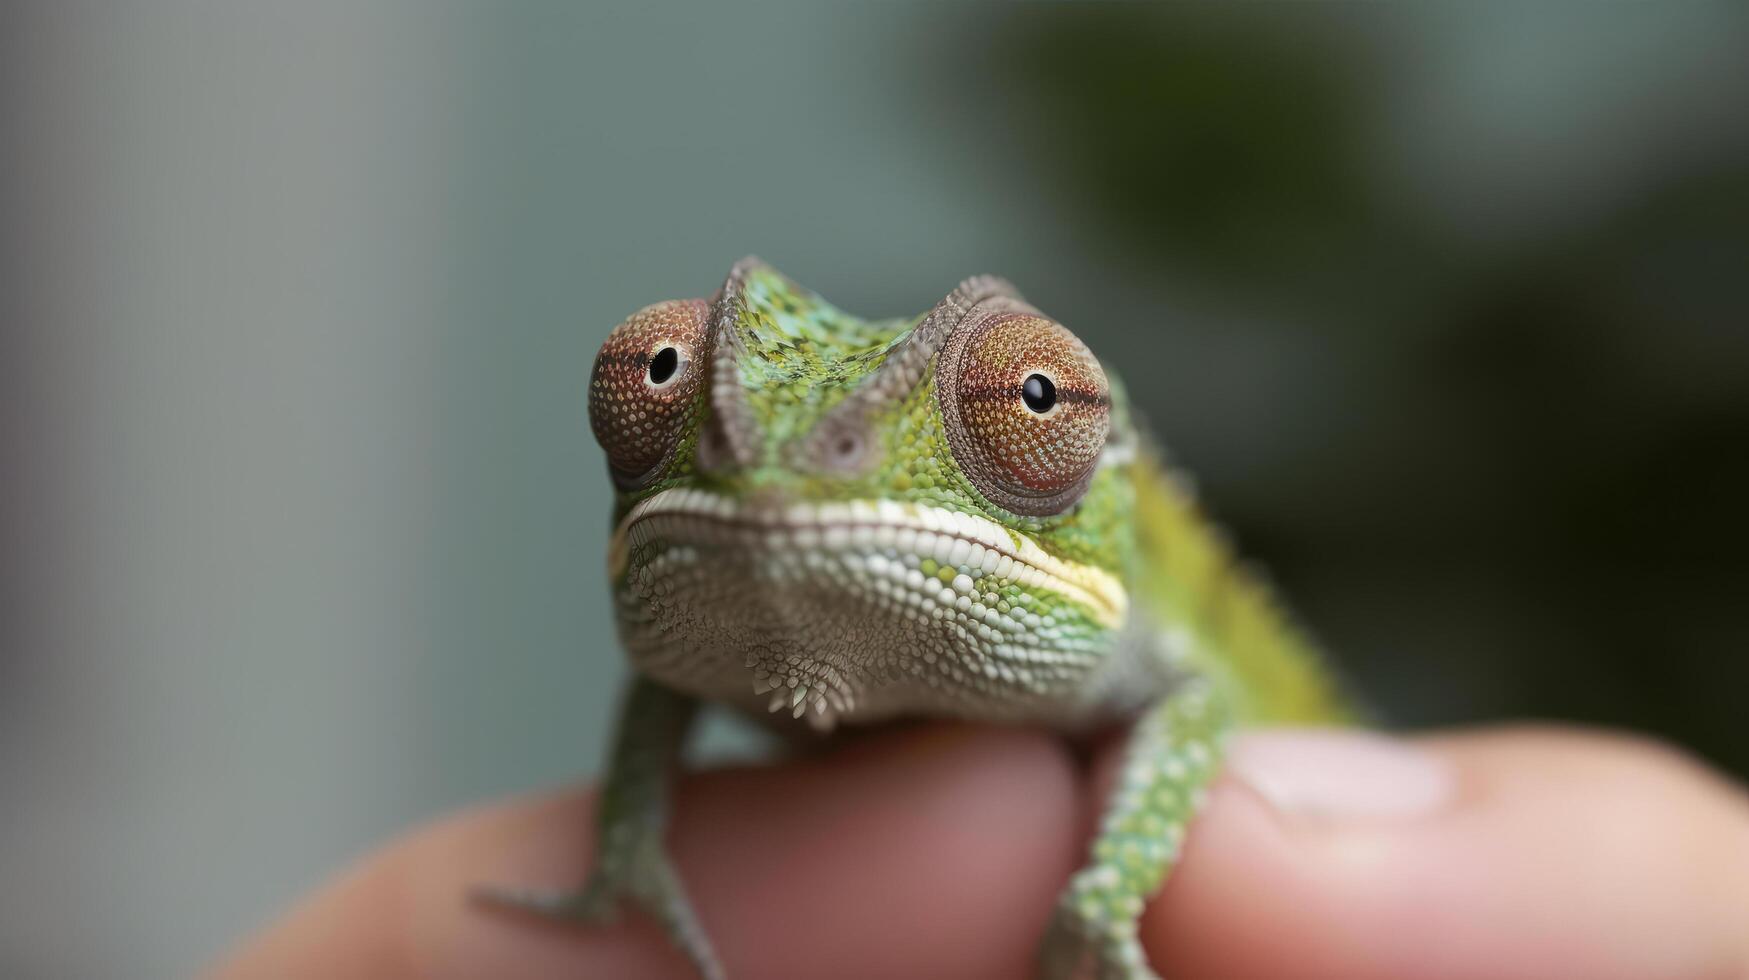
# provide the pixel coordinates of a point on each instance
(952, 538)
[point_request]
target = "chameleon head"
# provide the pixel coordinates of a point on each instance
(835, 517)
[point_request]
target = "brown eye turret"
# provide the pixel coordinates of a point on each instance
(1027, 410)
(643, 393)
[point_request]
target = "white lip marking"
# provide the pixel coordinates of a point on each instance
(950, 536)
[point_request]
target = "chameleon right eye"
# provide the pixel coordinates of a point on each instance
(643, 392)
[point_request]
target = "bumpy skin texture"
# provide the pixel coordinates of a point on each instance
(839, 521)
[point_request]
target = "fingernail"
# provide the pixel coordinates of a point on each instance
(1342, 775)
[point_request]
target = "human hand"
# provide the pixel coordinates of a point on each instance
(938, 851)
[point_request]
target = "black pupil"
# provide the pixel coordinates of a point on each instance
(1038, 393)
(664, 364)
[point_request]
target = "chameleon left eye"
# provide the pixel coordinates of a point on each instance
(643, 393)
(1027, 408)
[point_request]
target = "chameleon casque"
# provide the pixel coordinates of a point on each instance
(843, 521)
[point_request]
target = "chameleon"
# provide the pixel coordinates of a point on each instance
(825, 520)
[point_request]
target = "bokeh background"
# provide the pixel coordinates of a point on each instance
(1446, 307)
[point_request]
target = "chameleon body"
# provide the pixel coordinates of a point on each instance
(837, 521)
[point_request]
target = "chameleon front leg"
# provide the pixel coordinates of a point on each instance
(1172, 754)
(631, 818)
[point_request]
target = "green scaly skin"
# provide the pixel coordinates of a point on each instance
(810, 546)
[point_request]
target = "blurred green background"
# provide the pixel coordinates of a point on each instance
(1446, 307)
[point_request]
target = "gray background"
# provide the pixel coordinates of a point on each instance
(307, 528)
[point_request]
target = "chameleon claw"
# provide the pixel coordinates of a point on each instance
(588, 905)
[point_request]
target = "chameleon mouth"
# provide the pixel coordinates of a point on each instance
(878, 530)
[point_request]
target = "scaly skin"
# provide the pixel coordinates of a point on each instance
(843, 521)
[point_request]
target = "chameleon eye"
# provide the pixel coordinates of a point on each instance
(643, 392)
(1040, 393)
(1027, 410)
(666, 365)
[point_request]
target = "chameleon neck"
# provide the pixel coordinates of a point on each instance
(1241, 636)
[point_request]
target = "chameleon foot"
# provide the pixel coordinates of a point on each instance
(646, 881)
(631, 865)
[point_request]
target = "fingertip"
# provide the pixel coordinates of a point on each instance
(1554, 854)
